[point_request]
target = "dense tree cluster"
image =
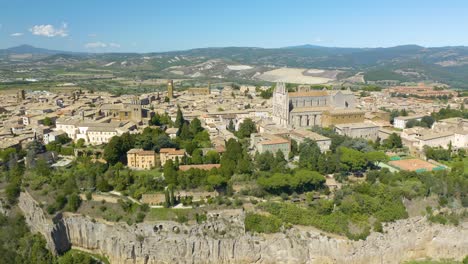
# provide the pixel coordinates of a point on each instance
(380, 197)
(235, 159)
(449, 113)
(300, 181)
(159, 120)
(19, 245)
(438, 154)
(393, 141)
(246, 128)
(426, 121)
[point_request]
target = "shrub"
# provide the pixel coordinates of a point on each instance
(378, 226)
(140, 217)
(238, 202)
(261, 223)
(73, 203)
(200, 218)
(144, 207)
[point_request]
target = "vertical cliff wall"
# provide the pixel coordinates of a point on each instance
(223, 240)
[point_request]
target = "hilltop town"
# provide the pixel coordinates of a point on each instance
(235, 162)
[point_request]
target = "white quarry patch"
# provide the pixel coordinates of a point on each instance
(293, 75)
(178, 72)
(314, 71)
(109, 64)
(239, 67)
(197, 74)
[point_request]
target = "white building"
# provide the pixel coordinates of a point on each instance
(420, 137)
(401, 121)
(52, 136)
(267, 142)
(93, 133)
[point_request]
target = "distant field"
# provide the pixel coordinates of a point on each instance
(297, 75)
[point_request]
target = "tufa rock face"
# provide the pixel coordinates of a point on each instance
(223, 240)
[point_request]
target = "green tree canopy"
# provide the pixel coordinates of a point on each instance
(246, 128)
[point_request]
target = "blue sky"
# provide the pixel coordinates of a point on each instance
(143, 26)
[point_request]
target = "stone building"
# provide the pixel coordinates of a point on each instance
(267, 142)
(141, 159)
(166, 154)
(400, 121)
(342, 116)
(199, 90)
(299, 135)
(366, 131)
(132, 111)
(306, 108)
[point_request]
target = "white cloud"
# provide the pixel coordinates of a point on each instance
(101, 45)
(92, 35)
(49, 30)
(94, 45)
(17, 34)
(318, 39)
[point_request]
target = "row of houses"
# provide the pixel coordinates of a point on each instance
(140, 159)
(447, 133)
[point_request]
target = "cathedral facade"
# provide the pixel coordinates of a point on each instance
(308, 108)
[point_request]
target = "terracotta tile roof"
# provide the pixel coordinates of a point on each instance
(141, 152)
(275, 140)
(166, 150)
(310, 109)
(172, 151)
(310, 93)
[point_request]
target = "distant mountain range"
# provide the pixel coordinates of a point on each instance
(403, 63)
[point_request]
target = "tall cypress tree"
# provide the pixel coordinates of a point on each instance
(179, 118)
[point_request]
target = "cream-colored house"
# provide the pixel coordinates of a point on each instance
(141, 159)
(166, 154)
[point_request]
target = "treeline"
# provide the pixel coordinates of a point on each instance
(448, 112)
(19, 245)
(378, 198)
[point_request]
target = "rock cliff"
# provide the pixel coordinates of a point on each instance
(222, 240)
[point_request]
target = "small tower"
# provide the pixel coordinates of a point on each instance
(135, 109)
(170, 89)
(20, 96)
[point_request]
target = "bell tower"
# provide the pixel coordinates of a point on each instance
(281, 105)
(170, 89)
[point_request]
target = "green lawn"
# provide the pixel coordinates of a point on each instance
(450, 163)
(153, 172)
(169, 214)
